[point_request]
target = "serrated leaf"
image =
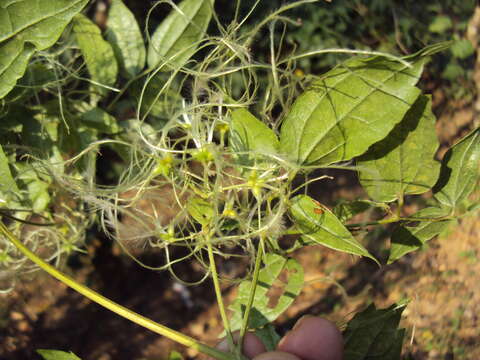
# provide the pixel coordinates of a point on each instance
(176, 37)
(248, 134)
(7, 183)
(261, 313)
(100, 120)
(406, 239)
(27, 26)
(403, 162)
(459, 171)
(318, 225)
(98, 53)
(57, 355)
(346, 111)
(126, 38)
(374, 334)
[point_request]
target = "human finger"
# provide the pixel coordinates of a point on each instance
(313, 338)
(276, 355)
(252, 345)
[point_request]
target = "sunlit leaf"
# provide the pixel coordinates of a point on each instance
(374, 334)
(248, 134)
(264, 312)
(98, 53)
(406, 239)
(126, 38)
(201, 210)
(176, 37)
(57, 355)
(27, 26)
(403, 162)
(318, 225)
(459, 172)
(345, 111)
(7, 183)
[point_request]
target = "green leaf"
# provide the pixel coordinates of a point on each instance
(201, 210)
(346, 210)
(98, 53)
(248, 134)
(269, 337)
(100, 120)
(57, 355)
(175, 40)
(374, 334)
(403, 163)
(27, 26)
(175, 355)
(348, 109)
(319, 226)
(7, 183)
(262, 312)
(462, 49)
(440, 24)
(126, 38)
(406, 239)
(459, 171)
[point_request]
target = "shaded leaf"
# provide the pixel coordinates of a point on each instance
(459, 171)
(175, 40)
(406, 239)
(57, 355)
(403, 163)
(344, 112)
(98, 53)
(374, 334)
(7, 183)
(320, 226)
(126, 38)
(27, 26)
(262, 312)
(100, 120)
(269, 337)
(248, 134)
(346, 210)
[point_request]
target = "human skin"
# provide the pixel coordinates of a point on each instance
(312, 338)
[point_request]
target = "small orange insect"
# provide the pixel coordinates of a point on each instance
(318, 210)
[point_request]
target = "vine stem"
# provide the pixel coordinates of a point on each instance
(253, 287)
(218, 293)
(113, 306)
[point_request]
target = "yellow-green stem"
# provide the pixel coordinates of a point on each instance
(253, 287)
(114, 307)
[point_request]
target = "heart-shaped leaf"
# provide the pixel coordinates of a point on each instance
(403, 162)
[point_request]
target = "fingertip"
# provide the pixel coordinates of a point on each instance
(314, 338)
(252, 345)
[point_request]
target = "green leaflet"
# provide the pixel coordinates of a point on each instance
(100, 120)
(261, 313)
(344, 211)
(175, 40)
(7, 183)
(57, 355)
(459, 171)
(319, 226)
(27, 26)
(201, 210)
(406, 239)
(403, 162)
(374, 334)
(268, 336)
(345, 111)
(126, 38)
(97, 52)
(248, 134)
